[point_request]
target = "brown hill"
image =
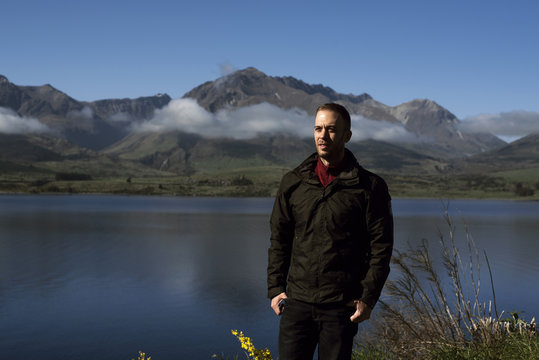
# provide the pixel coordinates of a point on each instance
(520, 154)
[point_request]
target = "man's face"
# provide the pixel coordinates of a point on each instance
(330, 136)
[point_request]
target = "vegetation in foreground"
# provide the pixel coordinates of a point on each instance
(428, 316)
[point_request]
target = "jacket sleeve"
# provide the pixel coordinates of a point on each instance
(379, 220)
(282, 234)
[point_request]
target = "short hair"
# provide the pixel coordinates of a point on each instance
(339, 110)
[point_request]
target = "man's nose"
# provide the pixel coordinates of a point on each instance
(325, 133)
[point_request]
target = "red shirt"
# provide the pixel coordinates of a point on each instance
(327, 174)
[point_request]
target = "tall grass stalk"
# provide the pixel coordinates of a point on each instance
(422, 315)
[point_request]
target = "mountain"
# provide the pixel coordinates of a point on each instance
(440, 130)
(93, 125)
(99, 124)
(103, 127)
(24, 150)
(186, 153)
(120, 110)
(437, 129)
(250, 87)
(520, 154)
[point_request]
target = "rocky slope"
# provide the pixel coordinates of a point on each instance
(94, 125)
(435, 126)
(104, 126)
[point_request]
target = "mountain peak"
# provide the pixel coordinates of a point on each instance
(418, 103)
(424, 105)
(424, 116)
(249, 71)
(250, 86)
(111, 118)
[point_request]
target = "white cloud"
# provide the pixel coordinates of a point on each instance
(265, 118)
(120, 117)
(247, 122)
(226, 68)
(180, 114)
(364, 128)
(186, 115)
(85, 113)
(508, 125)
(12, 123)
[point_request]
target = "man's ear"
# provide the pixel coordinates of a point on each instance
(348, 136)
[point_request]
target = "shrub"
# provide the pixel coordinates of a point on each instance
(72, 176)
(39, 182)
(241, 181)
(422, 319)
(522, 190)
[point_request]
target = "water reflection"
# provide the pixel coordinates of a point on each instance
(94, 277)
(102, 277)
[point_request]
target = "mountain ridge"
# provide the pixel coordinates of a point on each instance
(86, 124)
(242, 88)
(104, 127)
(422, 117)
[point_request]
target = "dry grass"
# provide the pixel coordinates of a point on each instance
(424, 314)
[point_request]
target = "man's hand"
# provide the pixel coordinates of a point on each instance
(363, 311)
(276, 301)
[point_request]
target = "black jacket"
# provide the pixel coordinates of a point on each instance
(330, 244)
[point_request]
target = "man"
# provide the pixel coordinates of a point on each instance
(331, 243)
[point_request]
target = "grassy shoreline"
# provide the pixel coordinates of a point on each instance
(264, 182)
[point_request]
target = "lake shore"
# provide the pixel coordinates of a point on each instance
(234, 185)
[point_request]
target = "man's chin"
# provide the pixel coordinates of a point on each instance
(322, 154)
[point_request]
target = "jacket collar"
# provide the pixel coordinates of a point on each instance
(348, 176)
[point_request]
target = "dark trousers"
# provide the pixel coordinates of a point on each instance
(304, 325)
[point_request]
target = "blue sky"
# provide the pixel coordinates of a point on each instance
(472, 57)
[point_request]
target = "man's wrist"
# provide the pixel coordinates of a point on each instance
(275, 292)
(367, 302)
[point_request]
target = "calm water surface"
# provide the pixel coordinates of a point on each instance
(101, 277)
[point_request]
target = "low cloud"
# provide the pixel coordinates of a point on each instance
(265, 118)
(247, 122)
(507, 125)
(364, 128)
(84, 113)
(226, 68)
(120, 117)
(12, 123)
(243, 123)
(180, 114)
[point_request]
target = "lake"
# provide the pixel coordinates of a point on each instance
(101, 277)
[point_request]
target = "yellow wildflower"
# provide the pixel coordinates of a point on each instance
(142, 356)
(248, 346)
